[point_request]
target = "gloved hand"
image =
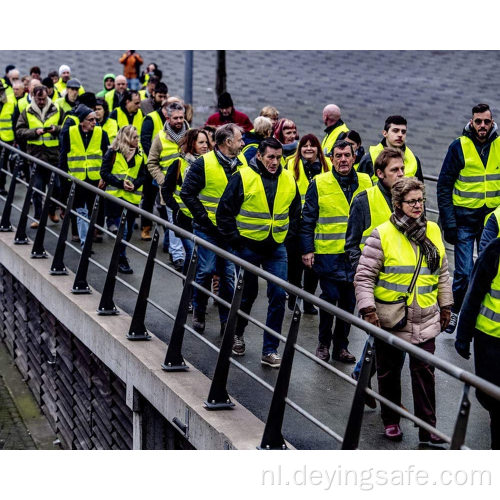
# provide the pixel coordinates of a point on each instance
(451, 235)
(445, 316)
(370, 314)
(463, 348)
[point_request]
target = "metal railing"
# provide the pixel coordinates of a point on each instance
(218, 397)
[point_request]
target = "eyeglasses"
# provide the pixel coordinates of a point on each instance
(90, 119)
(478, 121)
(413, 203)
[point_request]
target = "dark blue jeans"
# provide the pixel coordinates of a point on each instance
(341, 294)
(209, 264)
(464, 262)
(276, 264)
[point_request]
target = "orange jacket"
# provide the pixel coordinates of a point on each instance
(131, 64)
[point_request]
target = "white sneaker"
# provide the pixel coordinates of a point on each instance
(273, 360)
(453, 323)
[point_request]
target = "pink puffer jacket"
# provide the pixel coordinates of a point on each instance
(423, 323)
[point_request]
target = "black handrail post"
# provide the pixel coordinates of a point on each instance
(5, 225)
(80, 285)
(38, 250)
(21, 238)
(272, 439)
(137, 330)
(106, 305)
(173, 359)
(218, 398)
(353, 428)
(57, 267)
(458, 438)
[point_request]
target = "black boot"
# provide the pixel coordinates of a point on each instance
(198, 321)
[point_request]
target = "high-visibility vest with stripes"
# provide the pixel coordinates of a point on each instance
(302, 182)
(157, 123)
(122, 119)
(122, 171)
(330, 139)
(400, 261)
(329, 233)
(410, 161)
(6, 130)
(169, 152)
(476, 185)
(83, 162)
(60, 86)
(488, 319)
(109, 97)
(250, 145)
(379, 211)
(63, 104)
(49, 140)
(254, 219)
(215, 183)
(23, 103)
(184, 166)
(111, 128)
(9, 91)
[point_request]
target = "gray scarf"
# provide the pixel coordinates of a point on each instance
(176, 137)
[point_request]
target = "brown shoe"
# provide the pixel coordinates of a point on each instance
(344, 356)
(322, 352)
(34, 225)
(54, 218)
(146, 233)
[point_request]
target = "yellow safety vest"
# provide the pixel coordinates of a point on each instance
(46, 139)
(215, 183)
(410, 160)
(169, 153)
(122, 171)
(111, 128)
(184, 166)
(63, 104)
(302, 181)
(122, 119)
(475, 184)
(329, 233)
(379, 211)
(83, 163)
(488, 319)
(109, 97)
(6, 130)
(157, 123)
(330, 139)
(60, 86)
(142, 94)
(400, 261)
(254, 219)
(23, 103)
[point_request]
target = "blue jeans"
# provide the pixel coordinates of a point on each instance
(276, 264)
(188, 250)
(133, 83)
(209, 264)
(464, 262)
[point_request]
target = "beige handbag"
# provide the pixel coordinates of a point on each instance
(394, 315)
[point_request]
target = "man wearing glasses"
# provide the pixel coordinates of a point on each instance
(468, 189)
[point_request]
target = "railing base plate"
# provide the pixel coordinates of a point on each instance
(219, 406)
(21, 242)
(39, 255)
(283, 447)
(175, 368)
(138, 336)
(6, 229)
(108, 312)
(81, 291)
(62, 272)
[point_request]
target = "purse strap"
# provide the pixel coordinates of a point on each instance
(415, 274)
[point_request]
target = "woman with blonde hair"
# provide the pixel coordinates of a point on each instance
(124, 172)
(402, 284)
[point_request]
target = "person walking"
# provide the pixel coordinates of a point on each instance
(405, 257)
(132, 62)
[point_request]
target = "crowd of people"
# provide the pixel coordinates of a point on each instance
(306, 209)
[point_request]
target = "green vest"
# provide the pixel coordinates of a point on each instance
(45, 139)
(379, 211)
(184, 166)
(122, 171)
(488, 319)
(122, 119)
(6, 130)
(410, 161)
(254, 219)
(83, 163)
(111, 128)
(475, 184)
(400, 262)
(215, 183)
(330, 139)
(329, 233)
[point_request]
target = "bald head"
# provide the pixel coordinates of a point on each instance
(13, 75)
(34, 83)
(331, 114)
(18, 88)
(120, 84)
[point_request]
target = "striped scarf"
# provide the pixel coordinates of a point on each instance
(415, 230)
(176, 137)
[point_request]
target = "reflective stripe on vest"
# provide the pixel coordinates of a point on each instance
(6, 130)
(330, 139)
(400, 261)
(184, 167)
(254, 219)
(121, 171)
(83, 162)
(215, 183)
(46, 139)
(410, 161)
(331, 226)
(122, 119)
(379, 211)
(488, 319)
(477, 185)
(169, 152)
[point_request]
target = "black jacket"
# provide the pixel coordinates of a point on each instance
(230, 205)
(452, 216)
(147, 131)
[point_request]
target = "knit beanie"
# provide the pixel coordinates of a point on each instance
(225, 100)
(63, 68)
